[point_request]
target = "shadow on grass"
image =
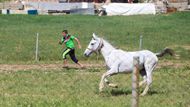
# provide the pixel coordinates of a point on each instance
(120, 92)
(72, 68)
(117, 92)
(114, 92)
(155, 92)
(86, 69)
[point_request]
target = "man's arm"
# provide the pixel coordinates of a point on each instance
(60, 41)
(79, 45)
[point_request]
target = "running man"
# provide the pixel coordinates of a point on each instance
(68, 40)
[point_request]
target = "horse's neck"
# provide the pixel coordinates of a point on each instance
(106, 49)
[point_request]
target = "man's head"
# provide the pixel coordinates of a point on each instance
(64, 33)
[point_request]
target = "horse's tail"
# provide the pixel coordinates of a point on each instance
(165, 51)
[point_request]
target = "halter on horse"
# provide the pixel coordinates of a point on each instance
(119, 61)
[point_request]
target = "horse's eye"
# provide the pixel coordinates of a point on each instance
(92, 43)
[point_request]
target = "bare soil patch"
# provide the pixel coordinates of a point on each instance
(44, 67)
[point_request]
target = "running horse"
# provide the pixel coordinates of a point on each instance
(119, 61)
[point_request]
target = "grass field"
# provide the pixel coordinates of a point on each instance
(18, 34)
(79, 87)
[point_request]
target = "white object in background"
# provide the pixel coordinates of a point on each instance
(129, 9)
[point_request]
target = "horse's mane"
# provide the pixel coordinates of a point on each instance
(110, 43)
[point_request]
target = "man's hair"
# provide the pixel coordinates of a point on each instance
(65, 31)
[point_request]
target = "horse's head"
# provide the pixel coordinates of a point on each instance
(94, 46)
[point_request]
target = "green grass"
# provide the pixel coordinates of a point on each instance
(79, 88)
(18, 33)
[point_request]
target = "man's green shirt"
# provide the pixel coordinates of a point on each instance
(69, 43)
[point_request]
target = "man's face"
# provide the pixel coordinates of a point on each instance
(64, 34)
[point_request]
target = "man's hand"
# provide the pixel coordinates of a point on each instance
(79, 46)
(59, 42)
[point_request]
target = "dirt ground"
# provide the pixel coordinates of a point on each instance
(44, 67)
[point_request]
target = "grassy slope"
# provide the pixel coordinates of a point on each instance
(18, 33)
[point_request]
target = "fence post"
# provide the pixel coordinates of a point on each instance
(37, 51)
(140, 42)
(135, 82)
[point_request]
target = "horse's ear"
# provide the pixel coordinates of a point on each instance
(94, 36)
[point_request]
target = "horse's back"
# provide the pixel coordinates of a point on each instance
(147, 58)
(148, 54)
(144, 56)
(126, 58)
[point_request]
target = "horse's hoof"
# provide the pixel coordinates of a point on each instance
(113, 85)
(142, 94)
(100, 90)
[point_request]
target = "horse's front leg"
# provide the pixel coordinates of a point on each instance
(113, 70)
(109, 83)
(101, 85)
(103, 79)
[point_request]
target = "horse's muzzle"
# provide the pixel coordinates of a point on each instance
(85, 54)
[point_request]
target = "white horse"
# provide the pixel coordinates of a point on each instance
(119, 61)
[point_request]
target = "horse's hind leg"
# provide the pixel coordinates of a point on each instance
(149, 69)
(148, 83)
(143, 74)
(143, 81)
